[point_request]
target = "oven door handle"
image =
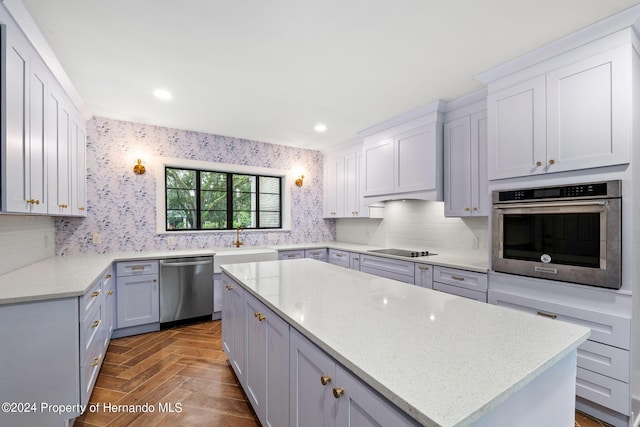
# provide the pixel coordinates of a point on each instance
(551, 205)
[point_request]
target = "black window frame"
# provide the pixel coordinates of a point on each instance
(229, 208)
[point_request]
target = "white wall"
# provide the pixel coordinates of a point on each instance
(25, 240)
(414, 224)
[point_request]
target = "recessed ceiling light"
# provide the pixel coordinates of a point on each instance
(162, 94)
(320, 128)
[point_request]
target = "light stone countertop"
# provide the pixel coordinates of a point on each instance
(444, 257)
(72, 275)
(443, 359)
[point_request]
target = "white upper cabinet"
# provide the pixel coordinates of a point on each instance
(23, 149)
(466, 190)
(516, 130)
(576, 115)
(589, 112)
(342, 194)
(403, 158)
(42, 147)
(379, 171)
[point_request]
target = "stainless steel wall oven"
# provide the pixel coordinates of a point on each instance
(569, 233)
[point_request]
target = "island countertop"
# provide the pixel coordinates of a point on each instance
(443, 359)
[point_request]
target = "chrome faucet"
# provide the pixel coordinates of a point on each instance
(238, 242)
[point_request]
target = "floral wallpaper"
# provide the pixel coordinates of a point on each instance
(121, 206)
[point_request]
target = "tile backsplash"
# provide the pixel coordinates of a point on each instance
(415, 224)
(25, 240)
(121, 205)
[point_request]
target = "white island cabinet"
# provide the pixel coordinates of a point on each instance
(362, 348)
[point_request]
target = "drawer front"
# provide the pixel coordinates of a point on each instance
(316, 253)
(388, 274)
(606, 328)
(92, 298)
(91, 330)
(603, 359)
(291, 254)
(406, 268)
(134, 268)
(605, 391)
(341, 258)
(423, 275)
(461, 278)
(461, 292)
(89, 370)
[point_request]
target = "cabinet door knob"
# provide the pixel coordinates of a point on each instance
(538, 164)
(95, 294)
(338, 392)
(551, 162)
(95, 324)
(256, 313)
(229, 287)
(325, 379)
(110, 292)
(261, 317)
(474, 209)
(466, 209)
(96, 361)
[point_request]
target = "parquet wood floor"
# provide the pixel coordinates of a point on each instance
(184, 367)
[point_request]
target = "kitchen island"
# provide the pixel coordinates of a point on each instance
(437, 359)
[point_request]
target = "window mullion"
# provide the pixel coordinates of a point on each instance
(229, 201)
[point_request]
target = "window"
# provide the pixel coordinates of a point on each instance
(210, 200)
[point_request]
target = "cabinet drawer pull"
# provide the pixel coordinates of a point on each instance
(108, 276)
(95, 294)
(96, 361)
(466, 209)
(338, 392)
(155, 280)
(261, 317)
(291, 256)
(229, 287)
(80, 209)
(325, 379)
(356, 259)
(458, 278)
(339, 255)
(137, 268)
(95, 324)
(545, 314)
(110, 292)
(423, 267)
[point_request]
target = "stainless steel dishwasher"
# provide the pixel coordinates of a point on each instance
(186, 288)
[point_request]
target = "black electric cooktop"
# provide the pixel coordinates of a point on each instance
(402, 252)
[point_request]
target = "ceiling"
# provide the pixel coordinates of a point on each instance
(269, 70)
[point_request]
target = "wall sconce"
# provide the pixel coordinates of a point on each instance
(299, 181)
(139, 169)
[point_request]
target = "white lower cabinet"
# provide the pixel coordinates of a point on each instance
(323, 393)
(423, 275)
(288, 380)
(233, 327)
(319, 254)
(338, 257)
(138, 293)
(267, 363)
(390, 268)
(468, 284)
(293, 254)
(603, 360)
